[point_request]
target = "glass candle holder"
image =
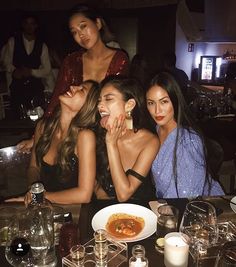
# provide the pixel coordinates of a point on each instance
(176, 250)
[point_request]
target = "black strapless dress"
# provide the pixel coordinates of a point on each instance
(146, 190)
(54, 180)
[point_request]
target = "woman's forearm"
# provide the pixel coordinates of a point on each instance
(120, 180)
(69, 196)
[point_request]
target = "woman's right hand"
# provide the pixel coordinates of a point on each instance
(28, 198)
(25, 145)
(117, 129)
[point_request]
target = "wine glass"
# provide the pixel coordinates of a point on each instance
(33, 114)
(18, 250)
(199, 222)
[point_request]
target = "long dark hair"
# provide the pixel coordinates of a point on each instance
(130, 89)
(85, 118)
(183, 118)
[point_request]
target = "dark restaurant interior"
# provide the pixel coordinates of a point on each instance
(196, 31)
(202, 35)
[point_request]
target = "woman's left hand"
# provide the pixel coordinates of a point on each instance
(116, 130)
(26, 199)
(15, 199)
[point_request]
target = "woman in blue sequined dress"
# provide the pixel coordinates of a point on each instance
(180, 168)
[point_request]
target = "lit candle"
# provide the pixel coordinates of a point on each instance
(176, 250)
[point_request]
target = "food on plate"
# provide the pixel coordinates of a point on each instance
(122, 225)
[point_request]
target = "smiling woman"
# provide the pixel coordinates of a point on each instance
(125, 158)
(64, 156)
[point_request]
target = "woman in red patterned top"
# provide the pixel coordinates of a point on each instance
(94, 61)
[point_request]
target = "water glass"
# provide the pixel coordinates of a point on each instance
(18, 251)
(167, 222)
(77, 254)
(199, 222)
(6, 216)
(33, 114)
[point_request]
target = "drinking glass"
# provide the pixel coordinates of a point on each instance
(101, 255)
(18, 250)
(100, 247)
(199, 222)
(33, 114)
(77, 254)
(6, 215)
(167, 221)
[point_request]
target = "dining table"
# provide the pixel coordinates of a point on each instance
(84, 213)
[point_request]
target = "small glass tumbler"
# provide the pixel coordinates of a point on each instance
(77, 254)
(167, 222)
(100, 248)
(100, 237)
(101, 255)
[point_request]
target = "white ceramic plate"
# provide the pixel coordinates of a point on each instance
(101, 217)
(233, 206)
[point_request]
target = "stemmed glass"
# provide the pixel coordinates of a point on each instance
(18, 250)
(199, 222)
(33, 114)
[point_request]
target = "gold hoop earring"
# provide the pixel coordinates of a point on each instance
(129, 120)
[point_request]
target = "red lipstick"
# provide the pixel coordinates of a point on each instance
(159, 118)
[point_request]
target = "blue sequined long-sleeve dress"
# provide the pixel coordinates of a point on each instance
(190, 169)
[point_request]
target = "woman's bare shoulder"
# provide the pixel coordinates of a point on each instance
(86, 133)
(148, 135)
(146, 138)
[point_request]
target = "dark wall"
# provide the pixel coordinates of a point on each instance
(156, 33)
